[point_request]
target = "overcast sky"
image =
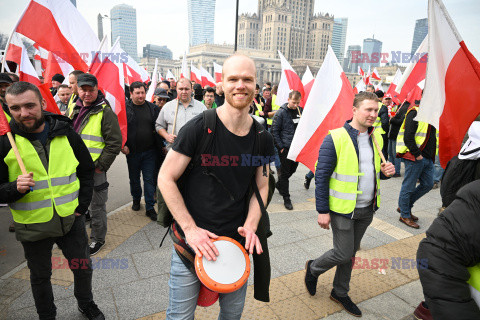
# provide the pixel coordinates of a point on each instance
(164, 22)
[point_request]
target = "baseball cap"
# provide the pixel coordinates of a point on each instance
(5, 78)
(161, 93)
(87, 79)
(388, 96)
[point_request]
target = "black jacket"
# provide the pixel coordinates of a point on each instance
(397, 120)
(451, 246)
(283, 128)
(430, 145)
(383, 114)
(132, 126)
(59, 126)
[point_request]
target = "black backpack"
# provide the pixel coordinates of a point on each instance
(165, 218)
(457, 174)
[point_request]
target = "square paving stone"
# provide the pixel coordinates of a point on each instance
(284, 234)
(116, 271)
(288, 258)
(412, 293)
(387, 306)
(152, 263)
(138, 242)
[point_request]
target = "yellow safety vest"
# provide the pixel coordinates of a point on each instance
(56, 189)
(7, 116)
(344, 180)
(259, 108)
(420, 134)
(474, 283)
(91, 134)
(70, 105)
(275, 107)
(378, 122)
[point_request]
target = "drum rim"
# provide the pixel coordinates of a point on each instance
(219, 287)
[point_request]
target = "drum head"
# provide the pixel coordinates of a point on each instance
(231, 269)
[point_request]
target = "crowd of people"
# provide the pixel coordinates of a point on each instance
(168, 142)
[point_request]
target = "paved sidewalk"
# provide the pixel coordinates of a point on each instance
(131, 281)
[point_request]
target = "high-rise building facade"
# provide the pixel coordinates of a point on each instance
(124, 25)
(421, 30)
(201, 21)
(154, 51)
(372, 49)
(74, 2)
(351, 64)
(339, 36)
(100, 26)
(289, 26)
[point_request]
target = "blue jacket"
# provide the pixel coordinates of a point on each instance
(283, 128)
(327, 161)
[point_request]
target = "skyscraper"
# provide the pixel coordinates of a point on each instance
(100, 26)
(350, 65)
(201, 21)
(421, 30)
(339, 35)
(74, 2)
(373, 48)
(124, 25)
(154, 51)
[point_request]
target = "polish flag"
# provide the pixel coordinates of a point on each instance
(184, 73)
(160, 77)
(288, 81)
(207, 79)
(135, 72)
(329, 106)
(359, 87)
(366, 77)
(111, 81)
(52, 68)
(415, 93)
(393, 85)
(57, 26)
(361, 72)
(375, 74)
(41, 55)
(153, 84)
(307, 81)
(218, 72)
(170, 75)
(378, 86)
(195, 74)
(452, 83)
(415, 71)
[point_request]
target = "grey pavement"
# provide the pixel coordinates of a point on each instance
(139, 287)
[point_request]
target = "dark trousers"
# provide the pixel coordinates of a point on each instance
(143, 163)
(347, 235)
(288, 169)
(74, 245)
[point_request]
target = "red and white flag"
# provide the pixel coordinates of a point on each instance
(366, 77)
(307, 81)
(153, 84)
(375, 74)
(41, 55)
(415, 71)
(195, 74)
(57, 26)
(361, 72)
(184, 73)
(207, 79)
(452, 83)
(111, 81)
(160, 77)
(393, 86)
(360, 86)
(218, 72)
(329, 106)
(288, 81)
(170, 75)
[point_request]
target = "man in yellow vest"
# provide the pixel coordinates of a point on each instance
(72, 83)
(416, 146)
(98, 126)
(49, 202)
(347, 180)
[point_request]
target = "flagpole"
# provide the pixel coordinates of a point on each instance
(378, 148)
(236, 27)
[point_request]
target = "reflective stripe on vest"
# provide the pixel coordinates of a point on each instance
(56, 189)
(474, 283)
(71, 105)
(420, 134)
(91, 134)
(343, 185)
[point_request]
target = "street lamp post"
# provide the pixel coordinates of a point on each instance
(236, 27)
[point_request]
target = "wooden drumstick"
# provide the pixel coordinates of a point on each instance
(378, 148)
(175, 118)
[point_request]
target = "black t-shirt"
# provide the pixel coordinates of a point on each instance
(295, 116)
(220, 208)
(144, 139)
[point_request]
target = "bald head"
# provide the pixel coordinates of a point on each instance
(238, 80)
(238, 59)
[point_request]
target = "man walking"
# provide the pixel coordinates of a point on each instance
(141, 148)
(48, 204)
(347, 194)
(283, 129)
(98, 126)
(205, 208)
(417, 146)
(72, 83)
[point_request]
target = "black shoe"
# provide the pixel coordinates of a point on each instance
(92, 312)
(152, 214)
(306, 183)
(310, 279)
(88, 217)
(347, 303)
(287, 203)
(136, 205)
(95, 247)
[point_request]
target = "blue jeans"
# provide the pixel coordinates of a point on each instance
(309, 175)
(183, 296)
(409, 194)
(142, 162)
(392, 155)
(438, 170)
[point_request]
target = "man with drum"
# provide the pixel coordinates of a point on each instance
(347, 181)
(215, 204)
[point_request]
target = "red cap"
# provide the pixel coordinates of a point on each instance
(387, 96)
